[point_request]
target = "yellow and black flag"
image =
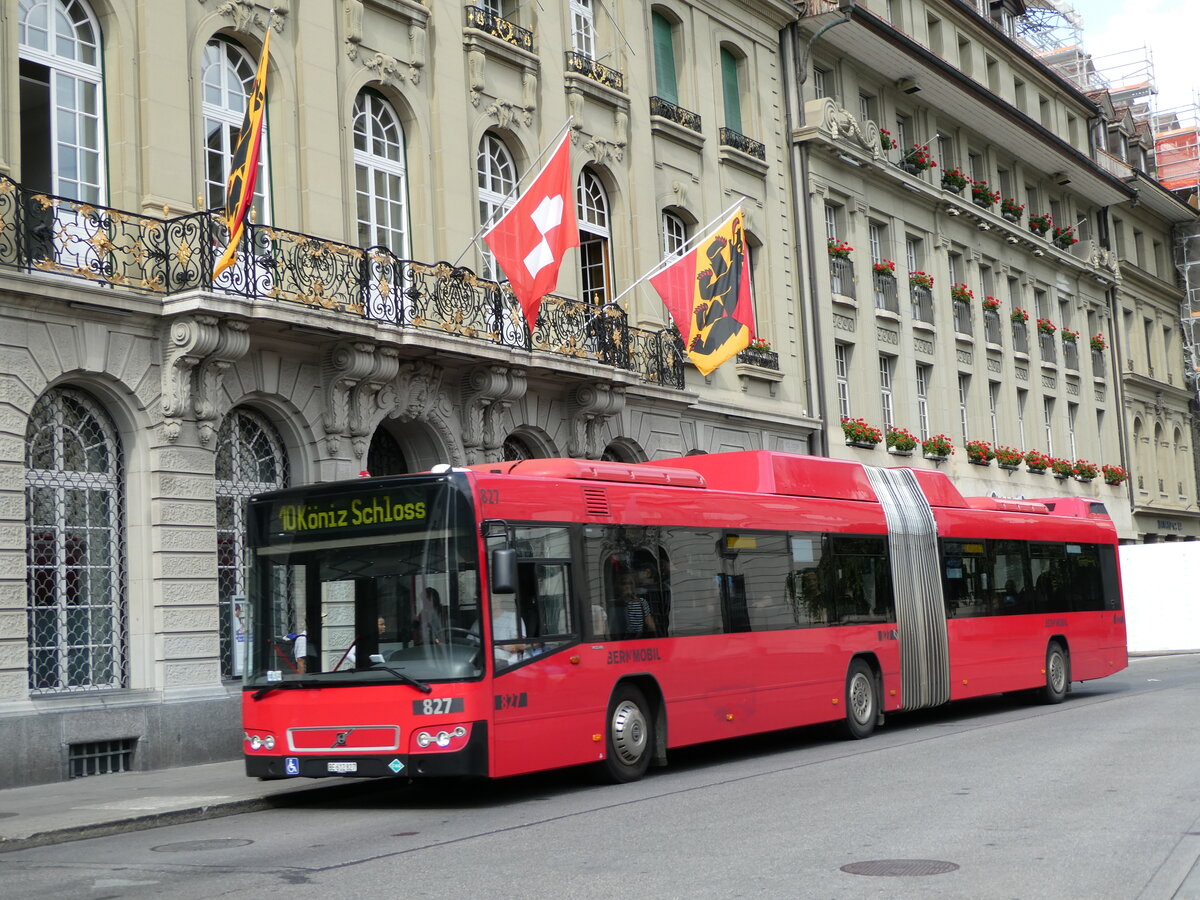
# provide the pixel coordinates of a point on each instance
(243, 168)
(707, 292)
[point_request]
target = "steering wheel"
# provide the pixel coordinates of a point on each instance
(466, 634)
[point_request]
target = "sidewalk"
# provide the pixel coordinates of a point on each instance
(131, 801)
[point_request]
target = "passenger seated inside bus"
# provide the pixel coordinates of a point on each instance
(630, 614)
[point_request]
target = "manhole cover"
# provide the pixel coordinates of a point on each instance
(191, 846)
(900, 867)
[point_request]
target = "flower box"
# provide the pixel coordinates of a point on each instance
(1037, 462)
(920, 280)
(1012, 210)
(1019, 315)
(1062, 468)
(1084, 470)
(1040, 224)
(917, 160)
(982, 195)
(860, 434)
(884, 267)
(1008, 457)
(1065, 237)
(901, 441)
(1069, 336)
(839, 249)
(954, 180)
(1098, 343)
(960, 293)
(886, 141)
(938, 447)
(979, 452)
(990, 304)
(1114, 475)
(1045, 326)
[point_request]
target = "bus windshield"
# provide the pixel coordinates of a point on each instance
(374, 581)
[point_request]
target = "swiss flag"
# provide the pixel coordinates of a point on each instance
(530, 240)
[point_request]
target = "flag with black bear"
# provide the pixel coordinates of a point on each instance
(707, 292)
(243, 167)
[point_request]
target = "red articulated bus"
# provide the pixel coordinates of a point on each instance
(520, 616)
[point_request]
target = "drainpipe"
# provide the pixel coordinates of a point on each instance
(805, 242)
(1118, 343)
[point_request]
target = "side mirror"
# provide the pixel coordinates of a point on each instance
(504, 571)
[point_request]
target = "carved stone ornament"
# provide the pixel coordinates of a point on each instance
(365, 396)
(247, 13)
(416, 393)
(343, 366)
(352, 22)
(589, 408)
(487, 393)
(841, 124)
(507, 114)
(389, 70)
(198, 351)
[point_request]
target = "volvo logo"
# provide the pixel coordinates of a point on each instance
(340, 740)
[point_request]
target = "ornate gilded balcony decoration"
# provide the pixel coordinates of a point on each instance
(589, 68)
(731, 138)
(492, 24)
(43, 233)
(677, 114)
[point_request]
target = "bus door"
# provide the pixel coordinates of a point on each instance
(917, 582)
(539, 722)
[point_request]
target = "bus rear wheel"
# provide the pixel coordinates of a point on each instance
(862, 700)
(1058, 674)
(630, 735)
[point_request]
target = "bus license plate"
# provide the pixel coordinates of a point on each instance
(341, 768)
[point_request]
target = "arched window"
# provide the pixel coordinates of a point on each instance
(592, 213)
(62, 99)
(227, 78)
(380, 180)
(74, 546)
(384, 456)
(674, 233)
(250, 459)
(666, 83)
(497, 179)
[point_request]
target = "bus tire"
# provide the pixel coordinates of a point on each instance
(630, 735)
(862, 700)
(1058, 674)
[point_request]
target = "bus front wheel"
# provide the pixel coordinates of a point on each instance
(1058, 677)
(862, 700)
(630, 735)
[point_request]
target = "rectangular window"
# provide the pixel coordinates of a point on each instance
(1005, 183)
(665, 83)
(923, 374)
(875, 236)
(994, 409)
(912, 254)
(1041, 305)
(1019, 94)
(946, 156)
(1033, 201)
(966, 61)
(1044, 111)
(821, 80)
(964, 397)
(985, 281)
(993, 75)
(885, 390)
(933, 27)
(956, 267)
(1022, 397)
(1048, 423)
(903, 131)
(841, 361)
(731, 91)
(868, 109)
(583, 27)
(975, 164)
(1072, 415)
(831, 222)
(1139, 249)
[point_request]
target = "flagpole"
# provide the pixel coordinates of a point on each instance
(667, 261)
(500, 208)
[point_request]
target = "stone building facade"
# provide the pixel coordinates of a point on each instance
(143, 403)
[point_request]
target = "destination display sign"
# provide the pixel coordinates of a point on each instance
(380, 509)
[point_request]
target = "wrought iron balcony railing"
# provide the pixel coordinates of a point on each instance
(1020, 336)
(487, 21)
(922, 304)
(885, 292)
(677, 114)
(962, 317)
(841, 276)
(40, 232)
(589, 68)
(738, 141)
(1070, 355)
(755, 356)
(991, 326)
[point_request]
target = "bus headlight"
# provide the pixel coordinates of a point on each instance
(449, 738)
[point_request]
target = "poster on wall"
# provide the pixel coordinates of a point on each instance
(237, 628)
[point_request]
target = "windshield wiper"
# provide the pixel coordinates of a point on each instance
(378, 663)
(280, 686)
